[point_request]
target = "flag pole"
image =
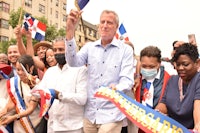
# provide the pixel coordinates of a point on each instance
(78, 8)
(21, 11)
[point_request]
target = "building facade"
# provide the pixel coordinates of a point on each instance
(53, 10)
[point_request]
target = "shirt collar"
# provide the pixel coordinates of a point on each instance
(114, 42)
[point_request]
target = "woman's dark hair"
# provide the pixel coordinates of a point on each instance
(45, 60)
(27, 60)
(186, 49)
(151, 51)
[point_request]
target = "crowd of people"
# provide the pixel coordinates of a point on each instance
(171, 88)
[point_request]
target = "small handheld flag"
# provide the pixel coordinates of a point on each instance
(80, 4)
(38, 29)
(122, 34)
(46, 99)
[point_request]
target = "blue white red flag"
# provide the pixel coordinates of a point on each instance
(46, 99)
(121, 33)
(80, 4)
(37, 28)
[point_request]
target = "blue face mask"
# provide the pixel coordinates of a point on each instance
(148, 73)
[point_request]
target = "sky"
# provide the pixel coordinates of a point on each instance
(150, 22)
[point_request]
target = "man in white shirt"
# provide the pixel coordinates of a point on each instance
(66, 112)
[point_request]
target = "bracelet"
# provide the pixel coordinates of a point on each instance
(137, 76)
(18, 116)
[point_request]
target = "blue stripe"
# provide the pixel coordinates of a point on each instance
(82, 3)
(122, 29)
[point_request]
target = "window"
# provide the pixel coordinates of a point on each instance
(64, 6)
(51, 11)
(4, 7)
(64, 18)
(57, 2)
(28, 3)
(41, 8)
(4, 24)
(56, 14)
(3, 38)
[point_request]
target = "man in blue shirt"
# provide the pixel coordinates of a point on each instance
(109, 62)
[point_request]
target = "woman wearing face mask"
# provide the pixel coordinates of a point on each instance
(153, 78)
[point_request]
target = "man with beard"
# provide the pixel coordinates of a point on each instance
(13, 55)
(66, 112)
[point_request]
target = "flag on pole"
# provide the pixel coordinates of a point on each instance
(121, 33)
(80, 4)
(38, 29)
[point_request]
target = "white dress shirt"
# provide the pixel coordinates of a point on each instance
(67, 113)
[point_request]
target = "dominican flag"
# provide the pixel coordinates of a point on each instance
(38, 29)
(47, 97)
(80, 4)
(121, 33)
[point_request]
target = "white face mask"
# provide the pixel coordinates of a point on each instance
(148, 73)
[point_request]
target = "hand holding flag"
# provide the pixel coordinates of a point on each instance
(37, 28)
(80, 4)
(47, 97)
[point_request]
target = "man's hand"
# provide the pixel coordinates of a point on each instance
(72, 22)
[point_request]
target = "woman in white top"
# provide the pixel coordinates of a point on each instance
(19, 88)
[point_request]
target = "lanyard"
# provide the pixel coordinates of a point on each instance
(180, 86)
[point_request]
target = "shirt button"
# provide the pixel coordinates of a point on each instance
(101, 74)
(103, 62)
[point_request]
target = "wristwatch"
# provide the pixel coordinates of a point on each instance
(60, 96)
(18, 116)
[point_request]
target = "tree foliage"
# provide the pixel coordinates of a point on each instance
(51, 31)
(61, 32)
(14, 17)
(5, 44)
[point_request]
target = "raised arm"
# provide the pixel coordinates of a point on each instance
(72, 21)
(20, 44)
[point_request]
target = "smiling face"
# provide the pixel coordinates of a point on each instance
(186, 67)
(50, 58)
(13, 54)
(108, 26)
(41, 51)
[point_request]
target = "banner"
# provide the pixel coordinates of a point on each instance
(144, 117)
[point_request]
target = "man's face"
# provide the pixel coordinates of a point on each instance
(107, 26)
(59, 47)
(13, 54)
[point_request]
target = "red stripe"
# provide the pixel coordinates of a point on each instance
(41, 26)
(30, 21)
